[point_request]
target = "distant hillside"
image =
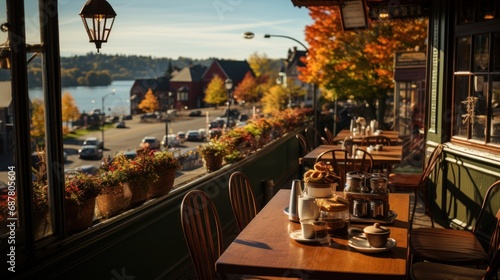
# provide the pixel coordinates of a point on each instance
(101, 69)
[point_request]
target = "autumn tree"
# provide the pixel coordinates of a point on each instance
(70, 111)
(150, 102)
(216, 91)
(274, 100)
(247, 89)
(38, 120)
(357, 63)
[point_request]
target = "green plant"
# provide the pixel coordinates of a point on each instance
(139, 169)
(213, 147)
(164, 160)
(81, 187)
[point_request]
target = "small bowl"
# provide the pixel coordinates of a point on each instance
(377, 235)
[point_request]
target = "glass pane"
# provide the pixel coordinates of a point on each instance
(462, 106)
(479, 101)
(496, 51)
(487, 10)
(481, 53)
(463, 53)
(465, 11)
(495, 110)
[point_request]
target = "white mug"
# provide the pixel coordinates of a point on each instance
(307, 208)
(307, 227)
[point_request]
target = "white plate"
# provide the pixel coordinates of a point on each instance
(297, 236)
(360, 243)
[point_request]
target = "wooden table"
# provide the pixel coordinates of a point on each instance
(388, 156)
(343, 134)
(264, 247)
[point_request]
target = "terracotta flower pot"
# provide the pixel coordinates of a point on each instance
(212, 162)
(114, 200)
(164, 184)
(79, 217)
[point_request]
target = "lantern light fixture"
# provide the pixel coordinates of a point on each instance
(98, 17)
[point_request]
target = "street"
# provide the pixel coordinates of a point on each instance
(129, 138)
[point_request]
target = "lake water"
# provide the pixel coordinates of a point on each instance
(90, 98)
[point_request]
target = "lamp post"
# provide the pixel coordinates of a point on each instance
(103, 113)
(250, 35)
(229, 86)
(167, 120)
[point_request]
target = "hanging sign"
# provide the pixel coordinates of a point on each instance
(353, 14)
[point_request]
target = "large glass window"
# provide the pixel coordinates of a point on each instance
(476, 84)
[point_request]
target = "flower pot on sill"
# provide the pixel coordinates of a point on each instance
(163, 185)
(79, 217)
(212, 162)
(139, 191)
(114, 200)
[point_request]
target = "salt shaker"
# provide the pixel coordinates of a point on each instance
(295, 193)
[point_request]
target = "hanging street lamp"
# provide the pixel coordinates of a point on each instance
(98, 17)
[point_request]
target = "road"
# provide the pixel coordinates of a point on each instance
(124, 139)
(129, 138)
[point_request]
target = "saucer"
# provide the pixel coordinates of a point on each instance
(297, 236)
(360, 243)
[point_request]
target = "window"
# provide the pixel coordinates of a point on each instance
(476, 79)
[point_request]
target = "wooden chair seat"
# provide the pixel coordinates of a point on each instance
(450, 246)
(436, 271)
(405, 180)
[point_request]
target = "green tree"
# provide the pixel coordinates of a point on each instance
(150, 102)
(216, 92)
(69, 109)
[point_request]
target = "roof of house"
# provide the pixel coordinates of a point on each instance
(235, 69)
(294, 60)
(157, 84)
(192, 73)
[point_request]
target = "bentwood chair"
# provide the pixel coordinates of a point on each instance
(417, 182)
(438, 271)
(376, 139)
(313, 137)
(459, 247)
(203, 233)
(363, 162)
(329, 136)
(339, 160)
(242, 199)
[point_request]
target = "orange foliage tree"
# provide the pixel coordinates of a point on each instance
(247, 89)
(357, 63)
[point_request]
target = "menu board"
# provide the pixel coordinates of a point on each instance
(353, 14)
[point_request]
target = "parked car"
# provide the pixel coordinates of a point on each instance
(120, 125)
(243, 118)
(196, 113)
(93, 141)
(203, 133)
(90, 152)
(181, 136)
(172, 141)
(193, 135)
(151, 142)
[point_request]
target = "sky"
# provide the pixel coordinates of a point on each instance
(197, 29)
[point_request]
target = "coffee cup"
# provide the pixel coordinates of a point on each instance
(307, 208)
(307, 227)
(377, 235)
